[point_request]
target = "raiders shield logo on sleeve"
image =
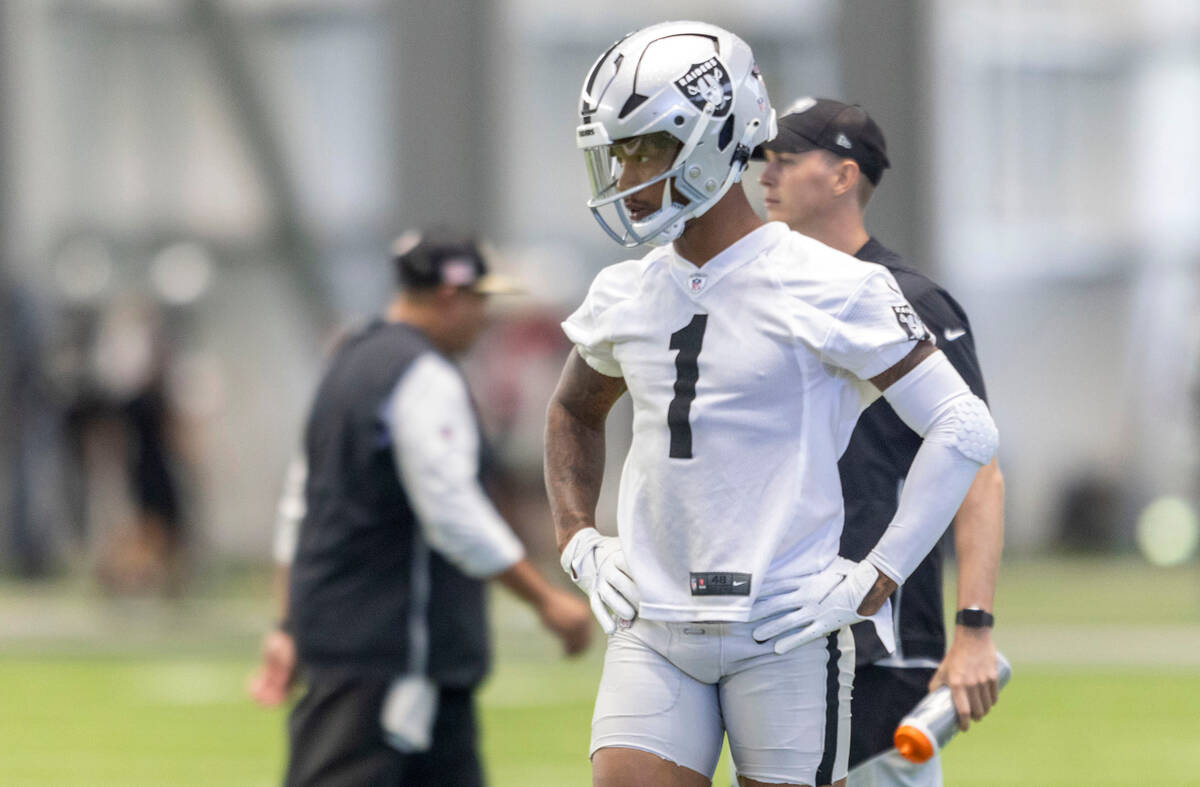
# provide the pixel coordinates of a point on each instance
(910, 322)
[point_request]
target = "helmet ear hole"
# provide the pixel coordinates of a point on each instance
(679, 121)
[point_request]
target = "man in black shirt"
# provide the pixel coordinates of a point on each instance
(820, 173)
(386, 596)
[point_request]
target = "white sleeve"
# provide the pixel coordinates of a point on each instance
(959, 437)
(290, 510)
(436, 443)
(590, 327)
(874, 330)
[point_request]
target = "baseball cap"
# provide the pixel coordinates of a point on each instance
(427, 260)
(843, 129)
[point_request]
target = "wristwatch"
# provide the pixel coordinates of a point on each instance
(974, 618)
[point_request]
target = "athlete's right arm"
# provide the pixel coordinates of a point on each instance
(574, 460)
(574, 469)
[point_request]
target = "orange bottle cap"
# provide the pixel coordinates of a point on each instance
(913, 744)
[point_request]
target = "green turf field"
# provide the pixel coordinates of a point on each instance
(142, 693)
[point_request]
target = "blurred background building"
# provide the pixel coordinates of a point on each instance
(196, 195)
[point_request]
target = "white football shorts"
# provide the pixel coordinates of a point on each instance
(674, 689)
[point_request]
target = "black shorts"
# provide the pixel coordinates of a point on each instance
(882, 697)
(335, 739)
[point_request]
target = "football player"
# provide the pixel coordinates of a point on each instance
(749, 351)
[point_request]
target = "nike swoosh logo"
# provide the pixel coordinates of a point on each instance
(737, 584)
(954, 333)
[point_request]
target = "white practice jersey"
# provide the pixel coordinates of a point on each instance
(747, 376)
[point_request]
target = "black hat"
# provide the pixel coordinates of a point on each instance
(427, 260)
(843, 129)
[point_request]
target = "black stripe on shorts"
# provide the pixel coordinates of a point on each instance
(832, 684)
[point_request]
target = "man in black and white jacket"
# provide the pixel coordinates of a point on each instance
(397, 537)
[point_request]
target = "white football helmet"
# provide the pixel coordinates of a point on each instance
(693, 81)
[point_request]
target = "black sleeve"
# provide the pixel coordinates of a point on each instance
(941, 314)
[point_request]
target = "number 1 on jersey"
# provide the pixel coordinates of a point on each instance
(687, 340)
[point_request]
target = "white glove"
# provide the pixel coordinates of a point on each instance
(597, 565)
(828, 603)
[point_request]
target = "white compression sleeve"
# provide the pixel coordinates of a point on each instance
(960, 437)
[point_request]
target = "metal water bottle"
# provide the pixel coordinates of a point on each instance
(929, 727)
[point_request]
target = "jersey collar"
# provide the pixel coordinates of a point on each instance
(696, 281)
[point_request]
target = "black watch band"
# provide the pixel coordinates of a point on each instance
(974, 619)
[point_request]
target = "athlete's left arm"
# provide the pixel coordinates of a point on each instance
(959, 437)
(884, 585)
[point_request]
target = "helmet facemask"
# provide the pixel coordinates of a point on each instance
(630, 215)
(680, 200)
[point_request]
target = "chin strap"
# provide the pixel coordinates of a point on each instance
(669, 233)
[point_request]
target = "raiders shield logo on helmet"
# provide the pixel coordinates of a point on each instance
(707, 83)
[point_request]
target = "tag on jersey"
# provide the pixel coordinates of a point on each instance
(720, 583)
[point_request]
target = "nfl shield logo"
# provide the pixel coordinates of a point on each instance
(696, 283)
